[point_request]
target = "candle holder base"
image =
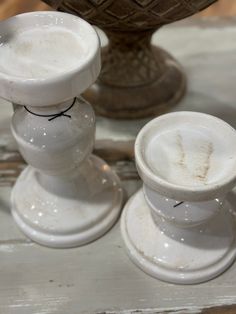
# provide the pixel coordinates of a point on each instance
(74, 211)
(178, 255)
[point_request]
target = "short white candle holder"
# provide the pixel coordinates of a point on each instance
(180, 227)
(66, 197)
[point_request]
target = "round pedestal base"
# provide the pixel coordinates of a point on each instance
(86, 206)
(132, 102)
(186, 256)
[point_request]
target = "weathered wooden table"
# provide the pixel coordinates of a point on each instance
(99, 277)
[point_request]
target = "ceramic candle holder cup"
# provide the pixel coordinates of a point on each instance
(66, 197)
(180, 226)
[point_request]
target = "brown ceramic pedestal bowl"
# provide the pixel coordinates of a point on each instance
(137, 78)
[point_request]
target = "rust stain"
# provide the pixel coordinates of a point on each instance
(204, 169)
(181, 160)
(201, 171)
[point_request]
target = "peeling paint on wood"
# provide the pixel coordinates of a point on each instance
(229, 309)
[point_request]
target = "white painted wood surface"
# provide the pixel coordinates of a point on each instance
(99, 277)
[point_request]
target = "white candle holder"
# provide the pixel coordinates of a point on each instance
(180, 227)
(66, 197)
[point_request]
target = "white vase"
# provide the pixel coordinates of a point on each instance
(180, 227)
(66, 197)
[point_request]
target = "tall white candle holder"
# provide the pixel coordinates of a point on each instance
(180, 227)
(66, 197)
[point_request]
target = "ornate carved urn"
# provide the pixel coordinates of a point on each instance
(137, 78)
